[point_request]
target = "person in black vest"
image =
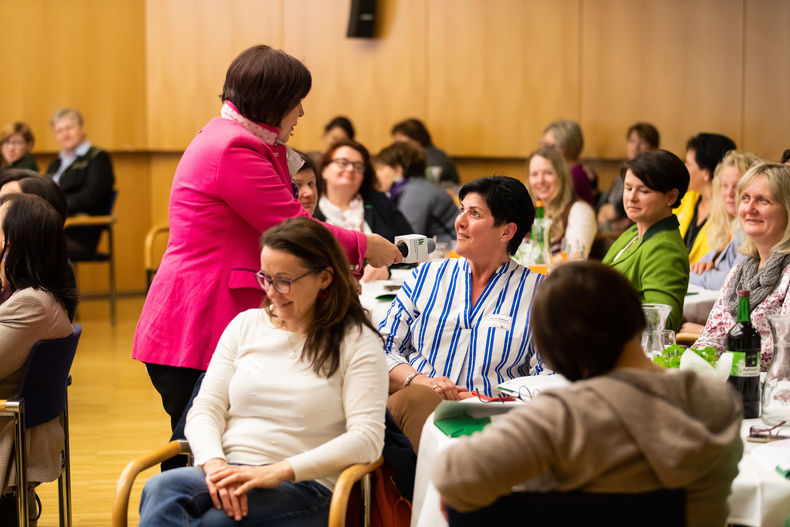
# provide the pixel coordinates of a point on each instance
(85, 174)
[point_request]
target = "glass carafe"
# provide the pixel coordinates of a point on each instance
(776, 388)
(656, 316)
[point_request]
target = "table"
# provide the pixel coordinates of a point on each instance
(698, 303)
(372, 290)
(760, 496)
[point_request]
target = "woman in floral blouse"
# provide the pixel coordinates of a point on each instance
(763, 211)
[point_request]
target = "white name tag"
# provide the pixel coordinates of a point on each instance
(499, 321)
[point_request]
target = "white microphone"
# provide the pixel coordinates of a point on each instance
(415, 247)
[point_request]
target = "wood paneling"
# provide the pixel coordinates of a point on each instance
(189, 46)
(675, 63)
(766, 78)
(86, 54)
(499, 71)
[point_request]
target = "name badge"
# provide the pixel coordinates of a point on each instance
(499, 321)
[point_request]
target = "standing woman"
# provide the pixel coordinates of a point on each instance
(34, 269)
(572, 219)
(651, 253)
(232, 183)
(16, 143)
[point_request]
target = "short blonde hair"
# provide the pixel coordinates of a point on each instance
(569, 136)
(555, 206)
(778, 178)
(720, 224)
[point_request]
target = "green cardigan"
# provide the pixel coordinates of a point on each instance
(657, 265)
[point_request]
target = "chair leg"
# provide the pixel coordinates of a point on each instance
(366, 491)
(113, 291)
(64, 481)
(21, 462)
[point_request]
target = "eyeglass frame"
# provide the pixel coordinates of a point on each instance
(262, 278)
(342, 163)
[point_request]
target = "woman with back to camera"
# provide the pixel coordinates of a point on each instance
(34, 269)
(232, 183)
(294, 394)
(595, 435)
(763, 198)
(428, 208)
(16, 144)
(651, 253)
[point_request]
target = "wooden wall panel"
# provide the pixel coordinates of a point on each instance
(86, 54)
(675, 63)
(375, 82)
(766, 78)
(189, 46)
(499, 71)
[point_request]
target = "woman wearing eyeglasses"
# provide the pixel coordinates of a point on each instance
(294, 394)
(233, 182)
(16, 143)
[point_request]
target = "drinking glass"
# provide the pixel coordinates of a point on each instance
(668, 338)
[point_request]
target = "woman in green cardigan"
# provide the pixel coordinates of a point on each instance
(651, 253)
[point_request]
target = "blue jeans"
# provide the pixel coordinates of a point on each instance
(180, 497)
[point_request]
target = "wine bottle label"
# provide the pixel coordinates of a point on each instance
(743, 368)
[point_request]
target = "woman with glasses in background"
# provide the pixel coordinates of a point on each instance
(294, 394)
(16, 144)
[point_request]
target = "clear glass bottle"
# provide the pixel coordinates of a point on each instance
(776, 388)
(540, 242)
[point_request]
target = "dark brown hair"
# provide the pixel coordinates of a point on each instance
(582, 316)
(404, 155)
(662, 171)
(318, 250)
(265, 84)
(368, 175)
(31, 182)
(646, 132)
(413, 129)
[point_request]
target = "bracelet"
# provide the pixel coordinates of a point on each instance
(410, 378)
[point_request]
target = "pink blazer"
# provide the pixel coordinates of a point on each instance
(228, 188)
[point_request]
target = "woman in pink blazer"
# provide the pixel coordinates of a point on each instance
(232, 183)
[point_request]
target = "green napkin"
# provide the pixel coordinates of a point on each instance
(464, 426)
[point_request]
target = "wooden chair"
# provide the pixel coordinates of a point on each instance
(43, 397)
(104, 222)
(337, 508)
(150, 250)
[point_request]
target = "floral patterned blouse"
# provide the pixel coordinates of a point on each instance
(720, 321)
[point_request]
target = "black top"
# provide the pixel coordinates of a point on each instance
(693, 229)
(381, 215)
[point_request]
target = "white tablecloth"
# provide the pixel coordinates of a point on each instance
(760, 496)
(372, 291)
(698, 304)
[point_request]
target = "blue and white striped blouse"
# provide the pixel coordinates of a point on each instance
(433, 326)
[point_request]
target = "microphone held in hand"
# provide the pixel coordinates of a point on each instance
(415, 247)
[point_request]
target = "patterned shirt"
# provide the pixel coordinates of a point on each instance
(433, 326)
(720, 321)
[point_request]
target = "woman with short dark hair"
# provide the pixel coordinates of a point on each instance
(595, 435)
(651, 253)
(33, 272)
(233, 182)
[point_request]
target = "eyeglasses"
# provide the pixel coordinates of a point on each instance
(281, 285)
(342, 163)
(14, 143)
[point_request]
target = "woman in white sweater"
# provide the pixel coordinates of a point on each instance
(294, 393)
(572, 219)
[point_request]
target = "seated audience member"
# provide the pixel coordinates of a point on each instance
(566, 136)
(413, 131)
(85, 174)
(596, 435)
(23, 181)
(462, 324)
(349, 200)
(33, 270)
(572, 219)
(428, 208)
(307, 184)
(722, 232)
(703, 153)
(651, 253)
(16, 145)
(338, 129)
(640, 137)
(294, 394)
(763, 208)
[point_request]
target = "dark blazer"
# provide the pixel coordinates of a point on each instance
(88, 184)
(381, 215)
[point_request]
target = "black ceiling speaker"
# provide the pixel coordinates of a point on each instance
(361, 19)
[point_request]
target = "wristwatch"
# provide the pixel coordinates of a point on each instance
(410, 378)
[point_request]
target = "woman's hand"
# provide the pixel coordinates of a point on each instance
(224, 497)
(381, 253)
(701, 267)
(243, 478)
(444, 387)
(690, 327)
(375, 273)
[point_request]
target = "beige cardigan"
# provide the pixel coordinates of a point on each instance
(28, 316)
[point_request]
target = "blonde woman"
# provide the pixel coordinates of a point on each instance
(572, 219)
(723, 237)
(566, 136)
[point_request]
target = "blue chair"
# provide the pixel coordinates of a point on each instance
(42, 398)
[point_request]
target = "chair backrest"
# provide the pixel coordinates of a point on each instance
(46, 376)
(558, 509)
(111, 202)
